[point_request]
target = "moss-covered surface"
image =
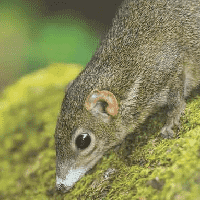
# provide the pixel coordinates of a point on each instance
(148, 167)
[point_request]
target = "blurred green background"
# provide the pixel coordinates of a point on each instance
(35, 34)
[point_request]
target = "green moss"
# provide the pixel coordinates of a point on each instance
(28, 114)
(155, 168)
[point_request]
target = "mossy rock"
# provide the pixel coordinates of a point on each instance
(157, 169)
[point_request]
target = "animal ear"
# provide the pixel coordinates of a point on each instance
(68, 85)
(102, 104)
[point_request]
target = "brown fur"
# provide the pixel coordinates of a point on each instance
(149, 58)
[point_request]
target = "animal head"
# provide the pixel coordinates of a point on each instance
(85, 130)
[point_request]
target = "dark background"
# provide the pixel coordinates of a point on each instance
(36, 33)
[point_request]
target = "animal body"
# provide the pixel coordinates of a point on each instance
(149, 58)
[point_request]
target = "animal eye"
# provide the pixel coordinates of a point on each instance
(83, 141)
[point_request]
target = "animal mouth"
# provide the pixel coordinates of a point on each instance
(73, 175)
(71, 178)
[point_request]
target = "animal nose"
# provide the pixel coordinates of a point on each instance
(62, 188)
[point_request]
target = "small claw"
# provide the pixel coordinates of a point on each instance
(167, 132)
